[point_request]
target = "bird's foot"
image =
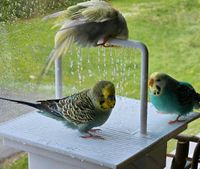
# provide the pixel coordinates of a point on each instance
(106, 45)
(94, 130)
(160, 112)
(89, 135)
(103, 42)
(175, 121)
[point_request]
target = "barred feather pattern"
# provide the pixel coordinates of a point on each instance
(83, 111)
(77, 108)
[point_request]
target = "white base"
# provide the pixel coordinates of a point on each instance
(40, 162)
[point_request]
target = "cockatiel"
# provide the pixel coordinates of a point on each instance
(171, 96)
(89, 23)
(83, 111)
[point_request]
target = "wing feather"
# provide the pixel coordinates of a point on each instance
(95, 14)
(185, 94)
(77, 108)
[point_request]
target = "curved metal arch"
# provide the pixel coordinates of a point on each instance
(143, 79)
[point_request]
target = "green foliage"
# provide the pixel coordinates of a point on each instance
(19, 164)
(14, 9)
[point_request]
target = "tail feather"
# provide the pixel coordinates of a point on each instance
(64, 39)
(43, 110)
(62, 46)
(198, 97)
(34, 105)
(197, 104)
(54, 15)
(48, 63)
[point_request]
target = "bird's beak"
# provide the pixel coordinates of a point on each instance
(151, 82)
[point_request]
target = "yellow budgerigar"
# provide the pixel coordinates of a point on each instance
(89, 23)
(83, 111)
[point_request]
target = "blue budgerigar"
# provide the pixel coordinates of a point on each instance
(171, 96)
(83, 111)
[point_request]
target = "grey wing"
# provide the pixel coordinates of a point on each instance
(93, 3)
(100, 14)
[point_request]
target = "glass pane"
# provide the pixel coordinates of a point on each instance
(26, 41)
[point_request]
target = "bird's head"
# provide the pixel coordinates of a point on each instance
(103, 94)
(157, 83)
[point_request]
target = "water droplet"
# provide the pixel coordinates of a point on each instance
(104, 63)
(72, 156)
(98, 60)
(101, 164)
(79, 65)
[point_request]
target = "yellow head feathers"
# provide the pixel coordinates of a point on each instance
(104, 95)
(157, 82)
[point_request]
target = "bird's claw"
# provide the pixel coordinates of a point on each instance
(104, 43)
(92, 136)
(160, 112)
(94, 130)
(174, 121)
(107, 45)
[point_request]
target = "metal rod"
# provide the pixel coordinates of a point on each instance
(58, 77)
(144, 89)
(143, 79)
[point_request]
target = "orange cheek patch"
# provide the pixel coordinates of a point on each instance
(151, 82)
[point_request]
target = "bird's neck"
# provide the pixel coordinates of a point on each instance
(91, 95)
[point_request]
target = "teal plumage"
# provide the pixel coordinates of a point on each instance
(171, 96)
(83, 111)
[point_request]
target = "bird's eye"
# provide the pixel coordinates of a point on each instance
(101, 96)
(101, 102)
(157, 80)
(111, 97)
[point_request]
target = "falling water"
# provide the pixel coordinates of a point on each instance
(124, 74)
(71, 61)
(79, 66)
(115, 64)
(134, 65)
(98, 60)
(90, 72)
(129, 57)
(105, 72)
(116, 69)
(111, 63)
